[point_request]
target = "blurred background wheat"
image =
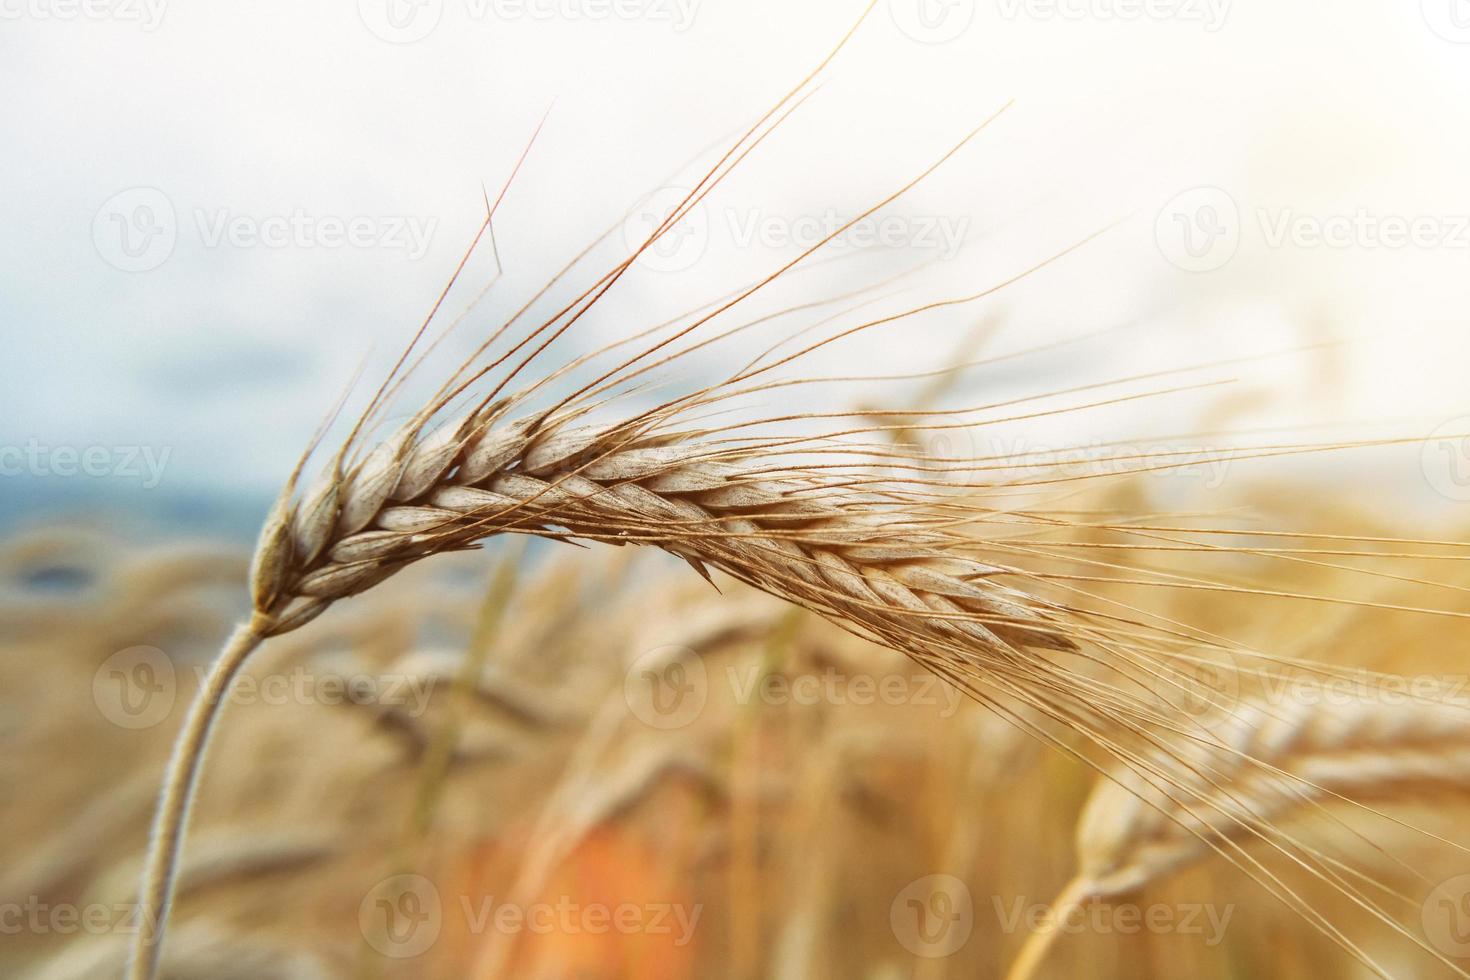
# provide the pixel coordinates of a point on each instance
(815, 807)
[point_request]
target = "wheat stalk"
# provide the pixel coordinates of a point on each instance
(1262, 765)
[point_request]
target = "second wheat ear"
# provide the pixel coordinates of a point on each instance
(1294, 760)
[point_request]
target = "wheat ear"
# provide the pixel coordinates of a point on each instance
(885, 564)
(869, 561)
(1274, 761)
(1264, 764)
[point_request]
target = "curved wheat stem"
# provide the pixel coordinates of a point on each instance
(160, 872)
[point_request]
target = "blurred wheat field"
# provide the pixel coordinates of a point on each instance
(897, 513)
(593, 765)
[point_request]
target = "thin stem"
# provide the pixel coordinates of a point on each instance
(181, 780)
(1024, 966)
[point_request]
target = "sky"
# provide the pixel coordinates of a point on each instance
(217, 214)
